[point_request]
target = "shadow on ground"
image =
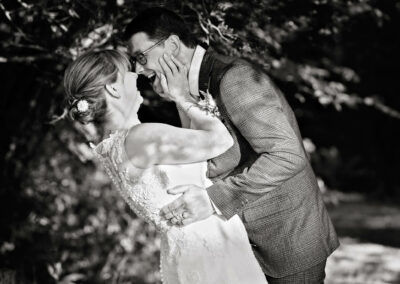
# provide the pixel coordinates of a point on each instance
(368, 222)
(370, 244)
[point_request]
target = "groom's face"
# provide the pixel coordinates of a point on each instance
(140, 45)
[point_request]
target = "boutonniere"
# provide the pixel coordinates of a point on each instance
(207, 104)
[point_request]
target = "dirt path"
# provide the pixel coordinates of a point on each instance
(370, 244)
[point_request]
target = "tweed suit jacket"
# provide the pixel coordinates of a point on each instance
(265, 177)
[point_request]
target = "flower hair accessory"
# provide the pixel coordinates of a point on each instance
(82, 105)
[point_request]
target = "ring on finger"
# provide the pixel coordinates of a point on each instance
(185, 214)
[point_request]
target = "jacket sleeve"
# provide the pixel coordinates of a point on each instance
(252, 104)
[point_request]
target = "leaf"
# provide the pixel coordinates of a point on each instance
(71, 278)
(73, 13)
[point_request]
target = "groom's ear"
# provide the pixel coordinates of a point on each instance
(174, 44)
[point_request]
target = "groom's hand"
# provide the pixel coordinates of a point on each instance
(194, 205)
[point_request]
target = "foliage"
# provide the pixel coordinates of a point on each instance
(62, 222)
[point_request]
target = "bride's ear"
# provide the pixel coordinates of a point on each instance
(112, 90)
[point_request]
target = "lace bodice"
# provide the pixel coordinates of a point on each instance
(145, 190)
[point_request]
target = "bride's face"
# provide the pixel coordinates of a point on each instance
(123, 104)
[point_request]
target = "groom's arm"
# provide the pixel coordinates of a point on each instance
(252, 104)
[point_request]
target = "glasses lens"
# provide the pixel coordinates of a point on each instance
(141, 58)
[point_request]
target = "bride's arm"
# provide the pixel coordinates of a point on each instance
(150, 144)
(185, 120)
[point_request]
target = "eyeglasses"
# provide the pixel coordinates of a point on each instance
(141, 57)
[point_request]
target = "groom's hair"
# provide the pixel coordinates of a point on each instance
(160, 23)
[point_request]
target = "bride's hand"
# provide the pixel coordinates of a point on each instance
(174, 83)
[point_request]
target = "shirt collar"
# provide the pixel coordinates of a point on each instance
(194, 70)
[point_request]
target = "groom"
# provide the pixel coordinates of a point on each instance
(265, 177)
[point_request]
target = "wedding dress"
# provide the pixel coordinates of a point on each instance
(211, 251)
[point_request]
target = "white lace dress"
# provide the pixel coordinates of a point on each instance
(211, 251)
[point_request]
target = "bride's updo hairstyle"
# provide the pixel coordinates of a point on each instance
(85, 80)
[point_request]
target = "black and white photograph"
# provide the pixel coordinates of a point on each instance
(200, 142)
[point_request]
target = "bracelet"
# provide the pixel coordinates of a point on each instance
(210, 108)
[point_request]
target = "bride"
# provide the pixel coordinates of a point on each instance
(144, 160)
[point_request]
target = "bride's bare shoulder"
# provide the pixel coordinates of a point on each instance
(144, 141)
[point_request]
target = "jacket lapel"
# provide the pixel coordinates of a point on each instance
(206, 69)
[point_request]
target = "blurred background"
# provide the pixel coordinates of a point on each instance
(336, 61)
